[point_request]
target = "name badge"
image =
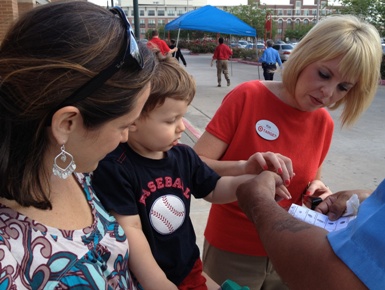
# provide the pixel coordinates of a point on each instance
(267, 130)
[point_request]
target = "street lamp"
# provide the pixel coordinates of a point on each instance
(317, 11)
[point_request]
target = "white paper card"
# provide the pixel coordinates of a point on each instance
(318, 219)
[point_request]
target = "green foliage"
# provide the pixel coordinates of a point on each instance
(199, 46)
(372, 11)
(252, 15)
(298, 31)
(250, 54)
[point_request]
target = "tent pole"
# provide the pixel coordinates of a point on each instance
(231, 63)
(177, 41)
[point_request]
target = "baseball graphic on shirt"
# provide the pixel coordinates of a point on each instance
(167, 214)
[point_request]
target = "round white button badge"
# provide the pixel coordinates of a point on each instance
(267, 130)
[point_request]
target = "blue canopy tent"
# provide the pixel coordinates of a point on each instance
(211, 19)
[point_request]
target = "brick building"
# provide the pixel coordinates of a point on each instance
(11, 9)
(157, 13)
(289, 13)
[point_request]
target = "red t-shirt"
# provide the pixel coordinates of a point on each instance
(159, 43)
(222, 52)
(252, 119)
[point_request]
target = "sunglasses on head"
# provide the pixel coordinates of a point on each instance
(131, 55)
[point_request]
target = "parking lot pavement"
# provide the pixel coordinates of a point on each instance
(357, 155)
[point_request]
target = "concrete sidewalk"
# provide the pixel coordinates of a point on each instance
(357, 155)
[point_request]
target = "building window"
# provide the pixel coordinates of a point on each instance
(306, 21)
(314, 12)
(280, 12)
(151, 23)
(141, 12)
(160, 12)
(151, 12)
(141, 21)
(170, 13)
(297, 4)
(180, 12)
(306, 12)
(160, 22)
(288, 21)
(132, 12)
(289, 12)
(297, 12)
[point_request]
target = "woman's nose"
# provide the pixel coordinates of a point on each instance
(327, 91)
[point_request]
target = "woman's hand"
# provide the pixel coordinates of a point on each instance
(315, 193)
(275, 162)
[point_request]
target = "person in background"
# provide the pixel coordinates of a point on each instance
(350, 258)
(72, 81)
(336, 64)
(156, 43)
(148, 183)
(222, 54)
(269, 60)
(178, 54)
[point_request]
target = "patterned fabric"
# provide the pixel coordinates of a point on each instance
(35, 256)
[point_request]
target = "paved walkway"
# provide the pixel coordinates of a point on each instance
(357, 155)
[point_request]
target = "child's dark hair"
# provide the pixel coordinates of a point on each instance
(170, 80)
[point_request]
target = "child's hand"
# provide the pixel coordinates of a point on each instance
(275, 162)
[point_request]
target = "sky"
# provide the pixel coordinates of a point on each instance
(209, 2)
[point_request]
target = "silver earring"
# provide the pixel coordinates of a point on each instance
(60, 172)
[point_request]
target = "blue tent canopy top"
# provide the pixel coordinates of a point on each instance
(211, 19)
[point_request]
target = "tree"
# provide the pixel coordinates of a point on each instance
(252, 15)
(372, 11)
(298, 31)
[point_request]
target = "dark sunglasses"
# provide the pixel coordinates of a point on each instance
(131, 55)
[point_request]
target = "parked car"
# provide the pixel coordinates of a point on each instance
(284, 50)
(242, 43)
(260, 45)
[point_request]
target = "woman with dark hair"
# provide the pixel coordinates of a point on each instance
(72, 80)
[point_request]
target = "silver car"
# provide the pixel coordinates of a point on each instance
(284, 50)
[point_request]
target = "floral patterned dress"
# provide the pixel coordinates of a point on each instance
(36, 256)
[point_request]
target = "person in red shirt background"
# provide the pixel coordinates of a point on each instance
(156, 42)
(222, 54)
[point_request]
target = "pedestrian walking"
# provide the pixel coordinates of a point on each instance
(156, 42)
(269, 60)
(222, 54)
(178, 54)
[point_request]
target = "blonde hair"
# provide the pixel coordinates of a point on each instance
(358, 43)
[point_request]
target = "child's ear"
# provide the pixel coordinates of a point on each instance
(133, 127)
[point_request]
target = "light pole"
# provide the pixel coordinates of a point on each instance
(317, 11)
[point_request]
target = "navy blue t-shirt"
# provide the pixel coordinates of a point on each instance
(160, 192)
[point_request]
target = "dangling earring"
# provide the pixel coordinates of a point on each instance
(63, 173)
